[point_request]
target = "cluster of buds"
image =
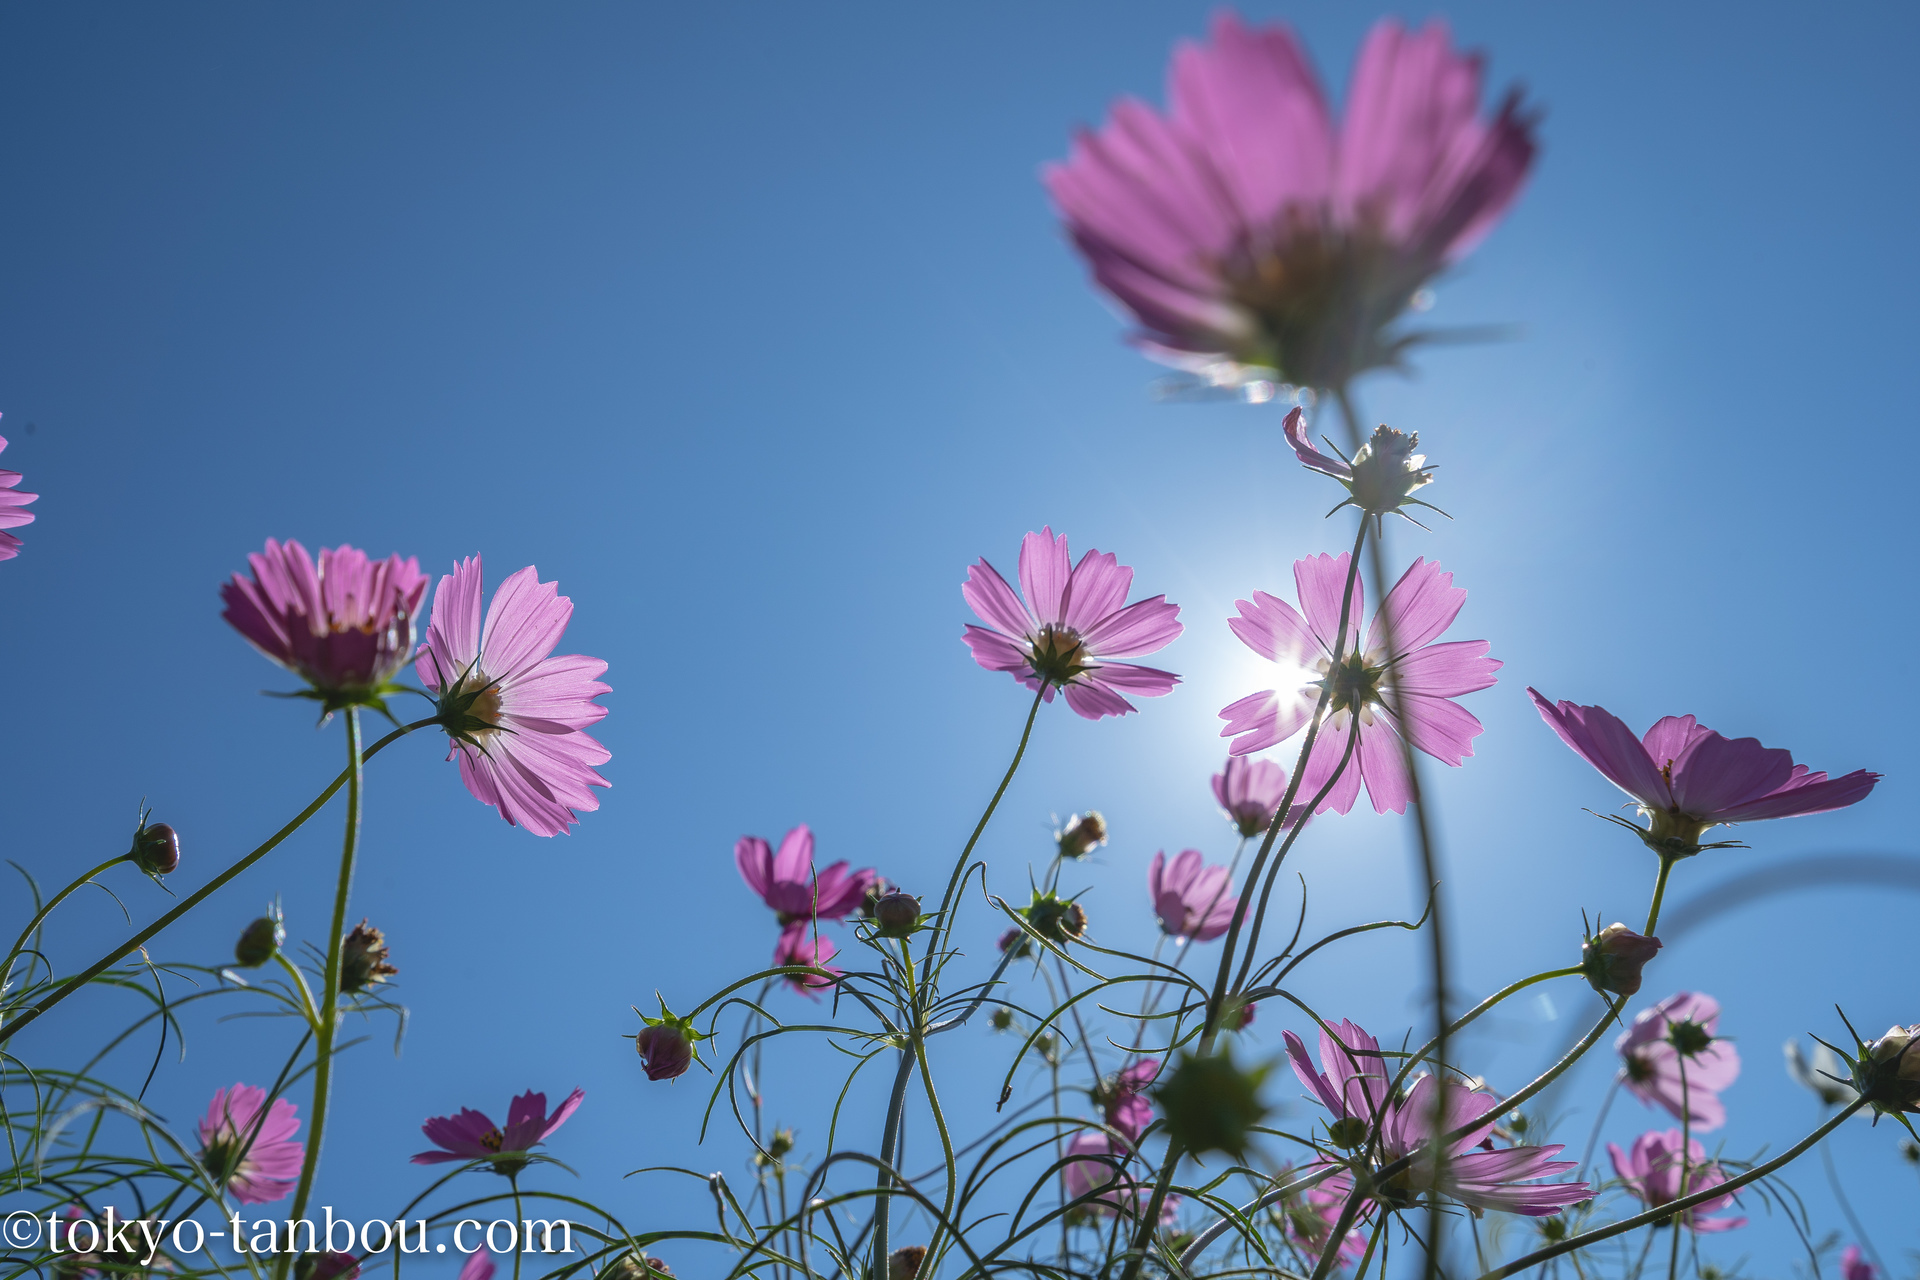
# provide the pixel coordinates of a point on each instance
(1612, 959)
(1083, 833)
(156, 847)
(261, 941)
(363, 959)
(666, 1043)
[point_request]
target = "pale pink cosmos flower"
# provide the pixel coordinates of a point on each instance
(1251, 791)
(1651, 1057)
(801, 944)
(470, 1135)
(478, 1266)
(1073, 622)
(787, 882)
(344, 625)
(1687, 778)
(1422, 677)
(1092, 1158)
(1191, 898)
(1246, 226)
(1651, 1172)
(1121, 1098)
(11, 516)
(1353, 1085)
(515, 716)
(255, 1155)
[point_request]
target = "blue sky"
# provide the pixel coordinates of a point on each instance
(752, 327)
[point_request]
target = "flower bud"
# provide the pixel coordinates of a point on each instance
(1888, 1072)
(363, 958)
(1211, 1105)
(1237, 1016)
(878, 889)
(904, 1263)
(1347, 1132)
(666, 1044)
(1014, 942)
(897, 914)
(261, 940)
(1386, 471)
(1690, 1038)
(1612, 959)
(156, 848)
(776, 1150)
(1083, 833)
(635, 1266)
(1055, 918)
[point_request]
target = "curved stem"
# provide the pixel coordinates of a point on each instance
(1417, 1057)
(47, 910)
(1192, 1252)
(947, 904)
(1672, 1207)
(199, 895)
(330, 984)
(889, 1138)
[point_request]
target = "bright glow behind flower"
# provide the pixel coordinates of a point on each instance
(515, 716)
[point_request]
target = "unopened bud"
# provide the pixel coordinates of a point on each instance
(1211, 1105)
(1238, 1017)
(1001, 1019)
(363, 958)
(1014, 942)
(1612, 959)
(666, 1044)
(260, 941)
(877, 890)
(904, 1263)
(1083, 833)
(1055, 918)
(156, 848)
(776, 1150)
(1688, 1037)
(897, 914)
(1347, 1132)
(635, 1266)
(1888, 1072)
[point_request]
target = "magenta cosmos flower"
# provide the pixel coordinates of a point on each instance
(787, 882)
(1686, 778)
(344, 625)
(1312, 1215)
(801, 944)
(1419, 675)
(1191, 898)
(1093, 1161)
(470, 1135)
(1122, 1097)
(1074, 621)
(1353, 1085)
(1677, 1035)
(1251, 791)
(1853, 1266)
(1245, 226)
(1651, 1172)
(11, 516)
(515, 716)
(249, 1145)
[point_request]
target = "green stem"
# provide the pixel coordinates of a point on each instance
(6, 970)
(947, 907)
(199, 895)
(1659, 895)
(1143, 1236)
(330, 985)
(1673, 1207)
(1415, 1059)
(889, 1140)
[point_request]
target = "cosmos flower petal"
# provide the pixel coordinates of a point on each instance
(1598, 737)
(1143, 682)
(1098, 587)
(1813, 794)
(1092, 699)
(988, 595)
(1271, 628)
(1321, 582)
(1046, 567)
(1447, 670)
(1715, 773)
(1143, 627)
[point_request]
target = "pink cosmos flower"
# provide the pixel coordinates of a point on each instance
(1687, 778)
(1251, 791)
(478, 1266)
(11, 516)
(1127, 1111)
(1074, 621)
(470, 1135)
(255, 1155)
(801, 943)
(1246, 226)
(1651, 1052)
(1855, 1267)
(1091, 1158)
(787, 882)
(1651, 1172)
(345, 626)
(1420, 676)
(1353, 1085)
(1312, 1216)
(515, 716)
(1191, 899)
